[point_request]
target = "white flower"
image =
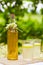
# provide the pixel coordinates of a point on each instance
(30, 8)
(26, 4)
(3, 2)
(13, 4)
(39, 7)
(1, 8)
(5, 6)
(8, 4)
(12, 25)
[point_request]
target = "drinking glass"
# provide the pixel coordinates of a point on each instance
(27, 50)
(36, 48)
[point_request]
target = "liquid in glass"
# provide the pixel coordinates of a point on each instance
(12, 40)
(27, 50)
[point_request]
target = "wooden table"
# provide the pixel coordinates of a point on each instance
(20, 61)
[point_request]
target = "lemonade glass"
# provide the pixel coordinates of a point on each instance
(36, 49)
(27, 48)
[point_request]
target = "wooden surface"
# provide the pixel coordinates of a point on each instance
(20, 61)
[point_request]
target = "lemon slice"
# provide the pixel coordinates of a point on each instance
(37, 44)
(27, 46)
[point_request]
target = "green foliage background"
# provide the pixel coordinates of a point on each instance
(30, 25)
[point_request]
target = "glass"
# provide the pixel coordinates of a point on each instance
(27, 50)
(37, 48)
(12, 40)
(42, 45)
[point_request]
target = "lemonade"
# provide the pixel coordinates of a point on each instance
(36, 52)
(27, 51)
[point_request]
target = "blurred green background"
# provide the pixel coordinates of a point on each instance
(28, 16)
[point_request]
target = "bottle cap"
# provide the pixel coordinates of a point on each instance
(12, 16)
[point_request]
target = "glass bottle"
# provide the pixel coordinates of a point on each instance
(12, 40)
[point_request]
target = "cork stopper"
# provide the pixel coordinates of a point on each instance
(12, 16)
